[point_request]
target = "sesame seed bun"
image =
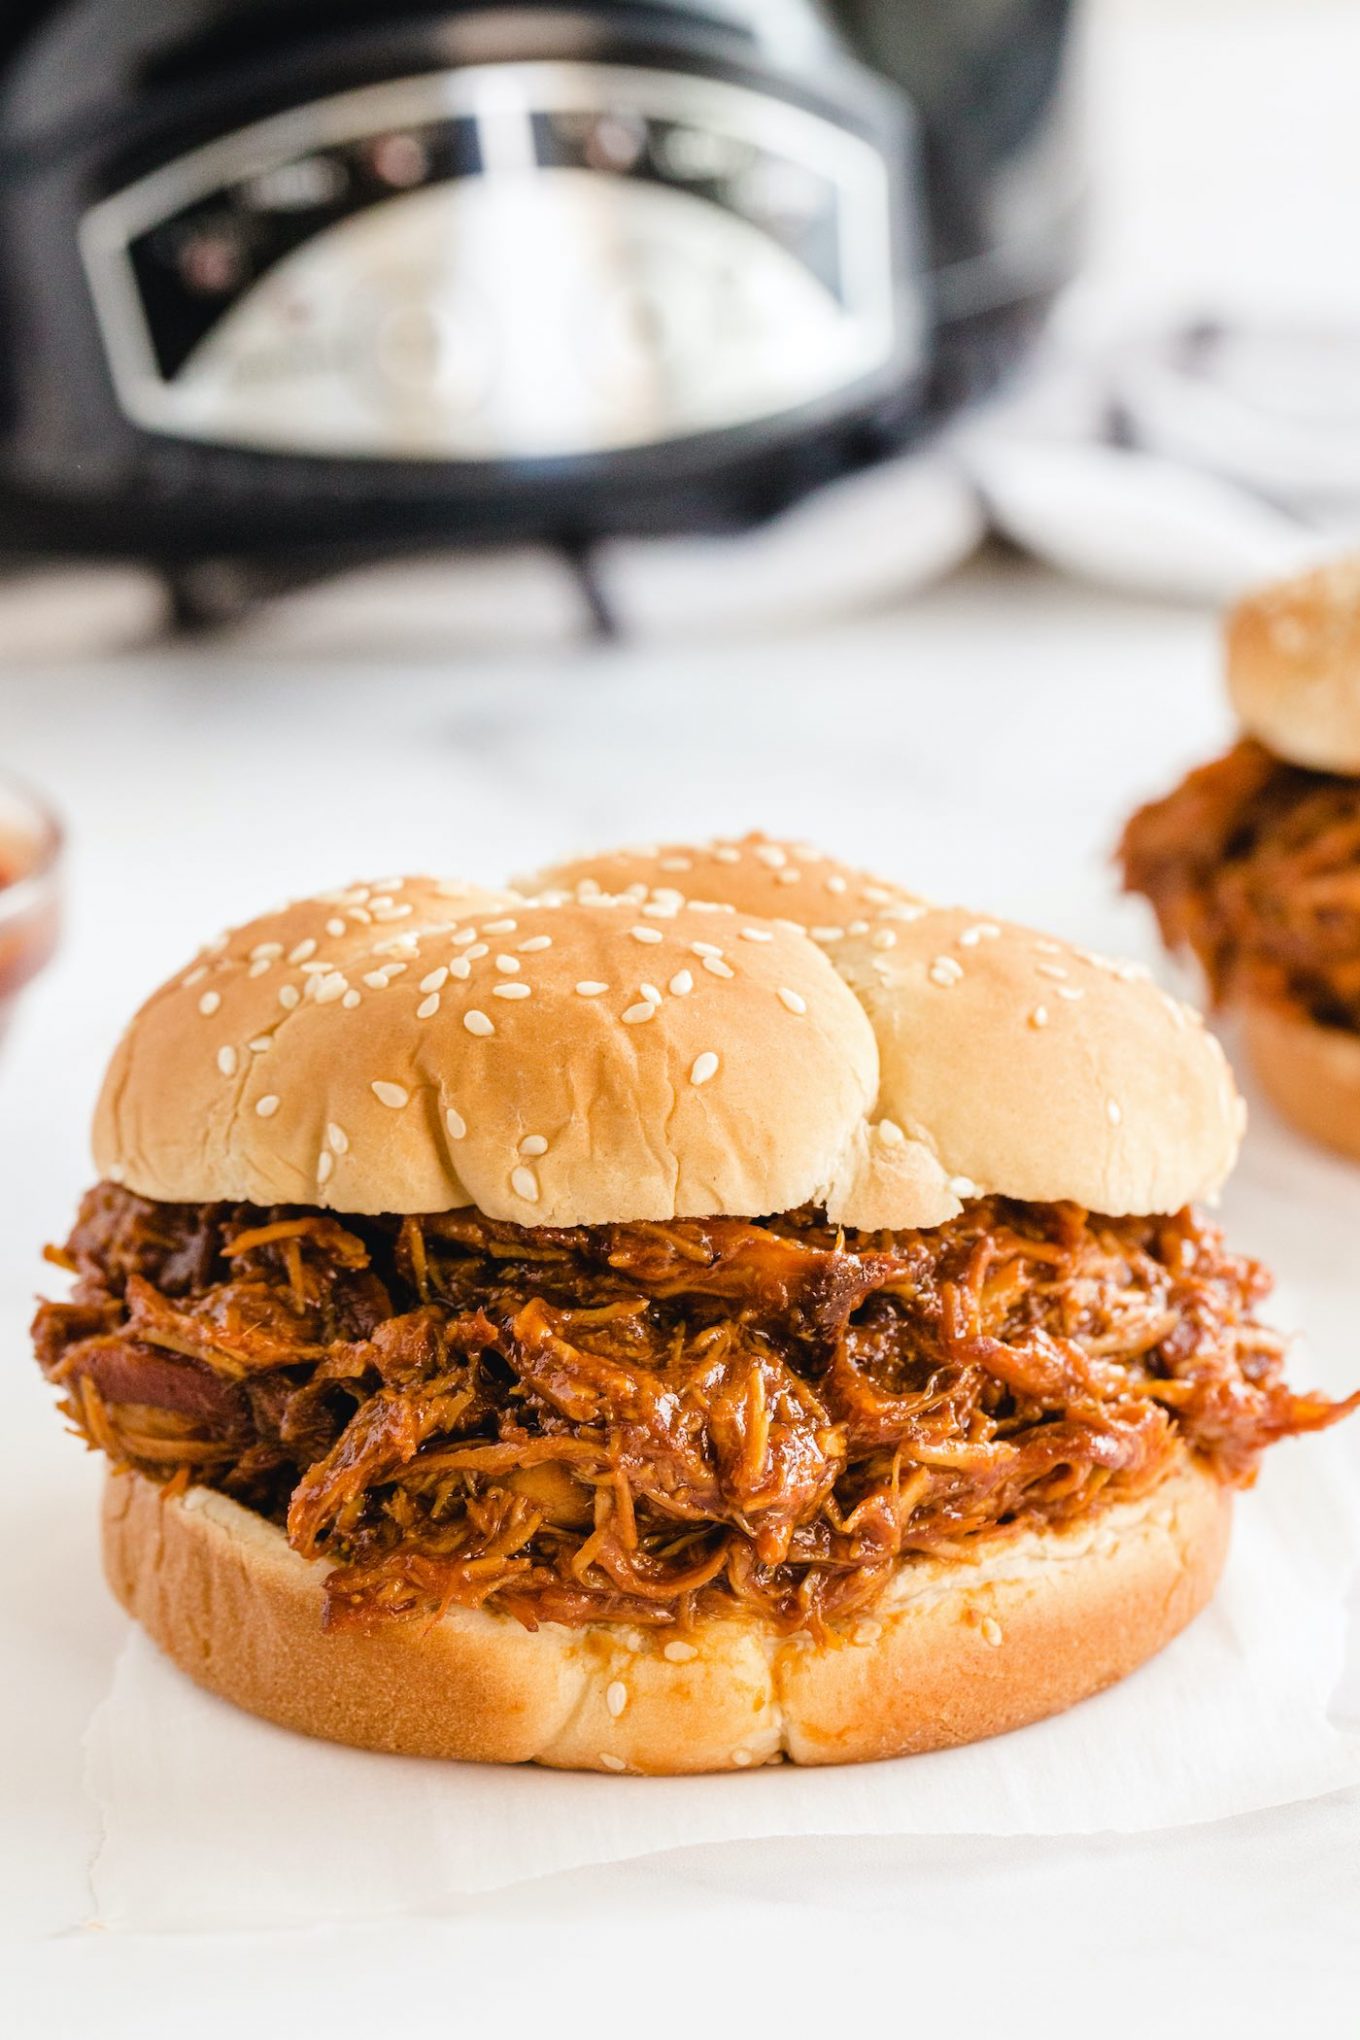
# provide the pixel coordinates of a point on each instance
(1294, 667)
(954, 1652)
(585, 1058)
(1311, 1074)
(755, 874)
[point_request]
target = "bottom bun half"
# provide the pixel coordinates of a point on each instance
(954, 1652)
(1311, 1074)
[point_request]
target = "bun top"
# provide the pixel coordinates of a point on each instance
(583, 1057)
(756, 874)
(1294, 667)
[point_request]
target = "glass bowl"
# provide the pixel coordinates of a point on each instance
(30, 889)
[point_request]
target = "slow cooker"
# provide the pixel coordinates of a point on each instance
(294, 282)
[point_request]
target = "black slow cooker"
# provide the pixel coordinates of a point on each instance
(300, 281)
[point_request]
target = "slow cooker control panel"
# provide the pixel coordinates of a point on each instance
(502, 262)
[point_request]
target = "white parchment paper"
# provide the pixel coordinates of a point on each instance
(212, 1820)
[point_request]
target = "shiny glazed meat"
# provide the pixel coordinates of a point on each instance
(640, 1422)
(1254, 865)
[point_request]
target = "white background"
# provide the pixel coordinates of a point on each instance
(983, 744)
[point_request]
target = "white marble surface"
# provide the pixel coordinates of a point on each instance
(983, 743)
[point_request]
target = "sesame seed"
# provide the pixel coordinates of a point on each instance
(512, 991)
(644, 934)
(984, 931)
(650, 992)
(478, 950)
(1047, 947)
(325, 990)
(1039, 1017)
(1113, 1111)
(427, 1008)
(393, 1095)
(261, 966)
(633, 1016)
(674, 864)
(591, 988)
(325, 1162)
(890, 1133)
(723, 853)
(836, 884)
(463, 936)
(964, 1186)
(335, 927)
(533, 1144)
(718, 967)
(265, 952)
(703, 1067)
(789, 877)
(391, 913)
(1050, 970)
(612, 1763)
(794, 1001)
(499, 927)
(455, 1123)
(991, 1630)
(435, 980)
(303, 950)
(524, 1183)
(884, 938)
(267, 1107)
(260, 1044)
(226, 1061)
(535, 942)
(209, 1003)
(682, 984)
(616, 1697)
(1070, 992)
(477, 1022)
(756, 935)
(376, 980)
(289, 997)
(195, 977)
(352, 999)
(337, 1138)
(704, 949)
(743, 1758)
(680, 1653)
(661, 910)
(945, 970)
(858, 928)
(509, 964)
(827, 934)
(771, 854)
(460, 968)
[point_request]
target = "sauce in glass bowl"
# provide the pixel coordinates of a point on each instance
(30, 862)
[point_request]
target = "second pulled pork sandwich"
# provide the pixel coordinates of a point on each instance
(601, 1329)
(1253, 862)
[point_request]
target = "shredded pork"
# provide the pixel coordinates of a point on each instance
(641, 1422)
(1254, 865)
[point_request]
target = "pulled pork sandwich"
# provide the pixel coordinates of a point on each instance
(655, 1330)
(1253, 863)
